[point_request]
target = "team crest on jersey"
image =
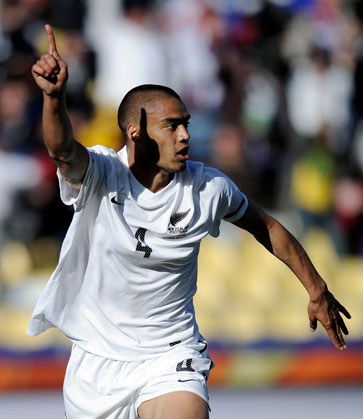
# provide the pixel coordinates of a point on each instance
(177, 231)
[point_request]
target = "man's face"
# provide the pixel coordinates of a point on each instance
(164, 133)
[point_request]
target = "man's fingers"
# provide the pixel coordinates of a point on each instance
(50, 72)
(47, 66)
(51, 64)
(313, 324)
(38, 70)
(332, 333)
(62, 64)
(339, 335)
(327, 312)
(51, 61)
(342, 325)
(335, 333)
(344, 311)
(51, 41)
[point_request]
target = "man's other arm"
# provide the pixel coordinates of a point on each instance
(323, 306)
(50, 73)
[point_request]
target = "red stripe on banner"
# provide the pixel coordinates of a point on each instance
(36, 374)
(324, 367)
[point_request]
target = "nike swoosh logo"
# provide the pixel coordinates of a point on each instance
(183, 381)
(113, 200)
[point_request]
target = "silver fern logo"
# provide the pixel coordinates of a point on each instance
(175, 219)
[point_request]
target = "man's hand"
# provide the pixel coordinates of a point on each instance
(326, 309)
(50, 71)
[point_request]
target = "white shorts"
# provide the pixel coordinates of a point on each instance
(97, 387)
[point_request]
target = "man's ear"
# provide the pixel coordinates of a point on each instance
(132, 132)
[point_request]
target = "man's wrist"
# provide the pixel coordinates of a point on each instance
(317, 290)
(55, 96)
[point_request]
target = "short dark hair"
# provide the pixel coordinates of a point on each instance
(134, 99)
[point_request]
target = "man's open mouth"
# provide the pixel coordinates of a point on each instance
(183, 152)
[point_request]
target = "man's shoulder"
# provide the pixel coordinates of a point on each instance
(193, 174)
(108, 158)
(204, 177)
(194, 167)
(102, 150)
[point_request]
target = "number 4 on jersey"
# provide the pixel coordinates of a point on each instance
(185, 365)
(141, 245)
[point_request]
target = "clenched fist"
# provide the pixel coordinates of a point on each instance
(50, 72)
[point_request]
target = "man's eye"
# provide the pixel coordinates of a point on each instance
(175, 125)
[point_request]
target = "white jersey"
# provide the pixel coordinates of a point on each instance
(124, 285)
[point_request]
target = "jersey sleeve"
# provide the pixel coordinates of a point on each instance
(99, 166)
(228, 202)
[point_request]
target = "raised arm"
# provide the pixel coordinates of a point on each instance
(323, 306)
(50, 73)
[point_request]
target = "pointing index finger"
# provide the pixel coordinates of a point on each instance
(51, 41)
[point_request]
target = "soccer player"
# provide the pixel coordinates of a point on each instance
(123, 289)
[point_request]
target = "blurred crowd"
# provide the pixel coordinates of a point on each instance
(275, 89)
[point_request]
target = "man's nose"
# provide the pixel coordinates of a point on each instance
(184, 134)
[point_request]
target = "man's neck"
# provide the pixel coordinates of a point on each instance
(153, 178)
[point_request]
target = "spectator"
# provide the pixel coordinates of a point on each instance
(128, 50)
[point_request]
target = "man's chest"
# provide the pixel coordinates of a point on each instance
(168, 234)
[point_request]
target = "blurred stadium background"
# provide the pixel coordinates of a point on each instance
(275, 89)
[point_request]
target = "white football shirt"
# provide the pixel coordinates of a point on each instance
(124, 285)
